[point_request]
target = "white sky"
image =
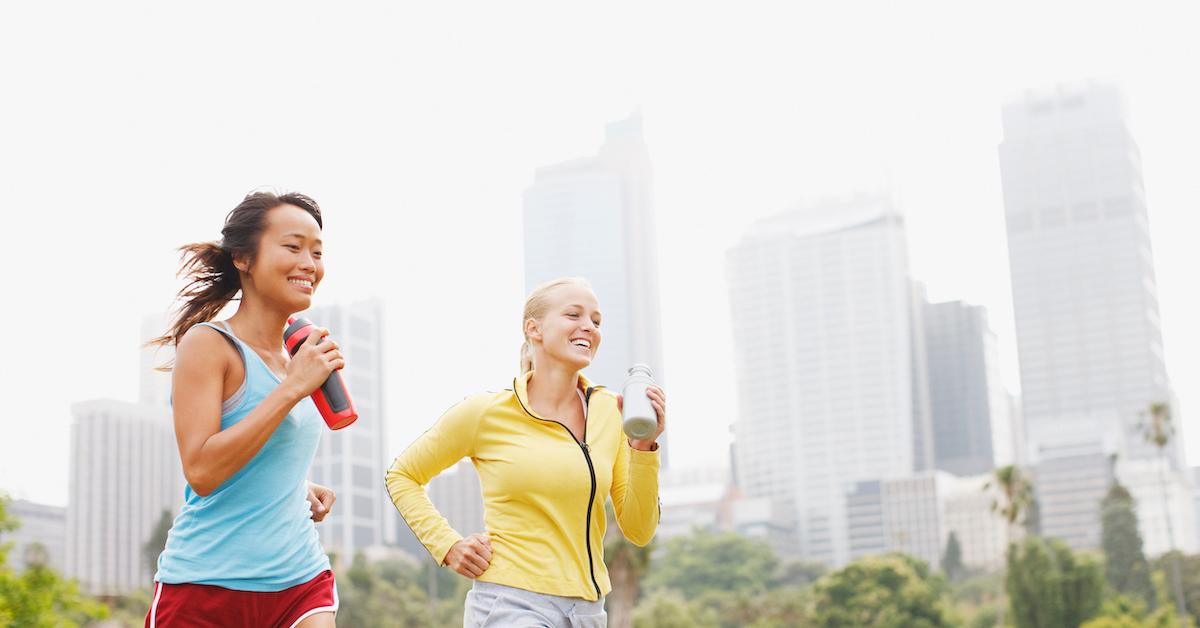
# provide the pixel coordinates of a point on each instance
(127, 129)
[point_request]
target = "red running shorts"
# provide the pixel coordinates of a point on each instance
(203, 605)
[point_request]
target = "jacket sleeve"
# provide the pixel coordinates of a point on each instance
(451, 439)
(635, 492)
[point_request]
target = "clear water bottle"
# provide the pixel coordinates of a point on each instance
(640, 420)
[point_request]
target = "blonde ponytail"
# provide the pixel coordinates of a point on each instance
(526, 357)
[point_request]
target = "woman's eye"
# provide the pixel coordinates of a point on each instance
(293, 247)
(596, 323)
(573, 315)
(318, 254)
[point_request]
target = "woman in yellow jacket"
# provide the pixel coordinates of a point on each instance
(549, 452)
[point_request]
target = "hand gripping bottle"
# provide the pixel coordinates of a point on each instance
(332, 398)
(640, 420)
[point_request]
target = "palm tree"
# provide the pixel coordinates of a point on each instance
(1015, 503)
(627, 564)
(1158, 430)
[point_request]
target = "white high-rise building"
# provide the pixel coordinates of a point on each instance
(1084, 292)
(1073, 471)
(352, 460)
(916, 515)
(125, 473)
(969, 404)
(983, 533)
(823, 316)
(41, 535)
(592, 217)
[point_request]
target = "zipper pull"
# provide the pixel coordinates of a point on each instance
(586, 449)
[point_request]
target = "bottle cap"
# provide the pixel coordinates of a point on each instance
(640, 368)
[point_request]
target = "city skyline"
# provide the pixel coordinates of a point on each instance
(726, 160)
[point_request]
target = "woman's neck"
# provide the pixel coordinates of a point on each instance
(259, 325)
(553, 385)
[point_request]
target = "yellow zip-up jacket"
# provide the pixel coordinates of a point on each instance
(543, 491)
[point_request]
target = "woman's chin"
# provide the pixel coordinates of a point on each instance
(299, 303)
(575, 362)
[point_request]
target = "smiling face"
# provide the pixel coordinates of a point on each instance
(568, 331)
(288, 267)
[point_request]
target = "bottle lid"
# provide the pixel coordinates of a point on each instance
(640, 368)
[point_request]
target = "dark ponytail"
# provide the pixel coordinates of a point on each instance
(212, 278)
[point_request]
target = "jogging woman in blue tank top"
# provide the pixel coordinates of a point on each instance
(244, 549)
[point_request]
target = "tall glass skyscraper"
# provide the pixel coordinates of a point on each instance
(829, 387)
(125, 473)
(1085, 302)
(592, 217)
(352, 460)
(971, 418)
(1084, 293)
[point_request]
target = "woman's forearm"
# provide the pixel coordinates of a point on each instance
(225, 453)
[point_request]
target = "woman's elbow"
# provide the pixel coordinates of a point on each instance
(202, 483)
(397, 481)
(640, 540)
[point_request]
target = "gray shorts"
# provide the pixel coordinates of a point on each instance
(496, 605)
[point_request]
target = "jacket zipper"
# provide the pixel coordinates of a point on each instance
(583, 446)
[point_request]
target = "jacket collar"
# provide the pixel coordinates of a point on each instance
(521, 389)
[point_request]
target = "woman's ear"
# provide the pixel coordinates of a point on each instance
(241, 264)
(532, 330)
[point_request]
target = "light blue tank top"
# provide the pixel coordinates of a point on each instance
(254, 532)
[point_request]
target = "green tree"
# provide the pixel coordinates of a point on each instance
(667, 609)
(1016, 503)
(40, 597)
(979, 598)
(1188, 578)
(1126, 567)
(798, 574)
(1124, 612)
(391, 594)
(893, 591)
(627, 565)
(157, 541)
(1049, 586)
(786, 606)
(7, 524)
(706, 561)
(952, 564)
(1158, 430)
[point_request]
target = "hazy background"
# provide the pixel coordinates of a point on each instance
(129, 129)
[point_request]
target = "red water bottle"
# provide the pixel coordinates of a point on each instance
(332, 398)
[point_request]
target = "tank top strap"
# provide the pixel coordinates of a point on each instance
(230, 404)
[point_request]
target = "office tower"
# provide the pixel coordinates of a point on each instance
(1084, 293)
(1071, 476)
(822, 312)
(592, 217)
(352, 460)
(41, 535)
(916, 515)
(971, 422)
(125, 473)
